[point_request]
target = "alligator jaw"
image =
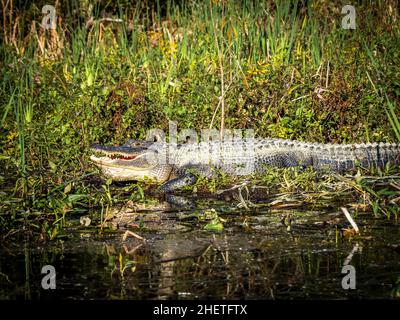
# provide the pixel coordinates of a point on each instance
(119, 161)
(128, 163)
(120, 173)
(118, 156)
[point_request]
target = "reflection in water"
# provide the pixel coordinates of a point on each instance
(350, 256)
(254, 257)
(166, 286)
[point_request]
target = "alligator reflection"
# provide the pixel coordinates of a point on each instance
(260, 254)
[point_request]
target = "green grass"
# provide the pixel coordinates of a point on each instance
(284, 69)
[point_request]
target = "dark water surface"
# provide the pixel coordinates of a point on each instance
(254, 257)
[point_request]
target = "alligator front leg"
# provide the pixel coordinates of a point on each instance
(187, 176)
(187, 179)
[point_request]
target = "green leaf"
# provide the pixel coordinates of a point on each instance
(76, 197)
(214, 225)
(54, 234)
(52, 166)
(141, 192)
(68, 188)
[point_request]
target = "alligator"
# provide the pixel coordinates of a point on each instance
(179, 165)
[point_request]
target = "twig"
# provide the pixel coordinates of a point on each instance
(327, 75)
(348, 216)
(380, 178)
(394, 185)
(131, 233)
(92, 21)
(242, 201)
(221, 70)
(236, 186)
(219, 102)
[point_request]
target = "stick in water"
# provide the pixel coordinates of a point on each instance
(348, 216)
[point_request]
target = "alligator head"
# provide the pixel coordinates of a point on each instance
(135, 160)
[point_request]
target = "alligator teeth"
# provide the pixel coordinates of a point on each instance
(121, 157)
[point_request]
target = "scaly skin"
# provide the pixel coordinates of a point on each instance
(173, 165)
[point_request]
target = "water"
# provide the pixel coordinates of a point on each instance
(254, 257)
